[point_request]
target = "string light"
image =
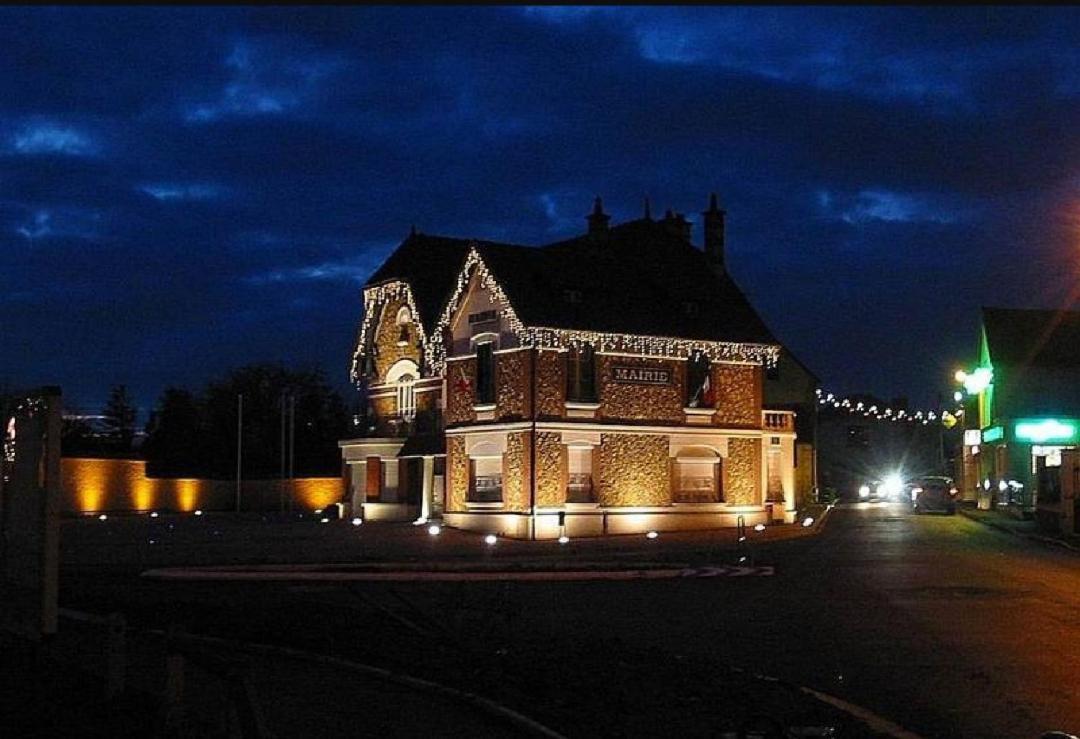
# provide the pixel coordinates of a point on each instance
(829, 400)
(375, 299)
(541, 337)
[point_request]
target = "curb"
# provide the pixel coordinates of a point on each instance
(1012, 532)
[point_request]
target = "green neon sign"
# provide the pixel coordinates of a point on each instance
(1041, 430)
(994, 433)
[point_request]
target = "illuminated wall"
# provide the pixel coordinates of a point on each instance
(657, 403)
(738, 395)
(460, 390)
(516, 473)
(512, 373)
(121, 485)
(742, 473)
(387, 348)
(634, 470)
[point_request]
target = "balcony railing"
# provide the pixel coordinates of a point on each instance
(778, 420)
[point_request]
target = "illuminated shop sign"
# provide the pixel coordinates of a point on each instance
(641, 375)
(1039, 430)
(994, 433)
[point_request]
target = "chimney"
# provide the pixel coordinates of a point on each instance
(714, 233)
(676, 225)
(598, 219)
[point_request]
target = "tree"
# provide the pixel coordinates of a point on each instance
(175, 442)
(119, 419)
(321, 419)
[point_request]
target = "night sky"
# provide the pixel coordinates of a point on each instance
(184, 191)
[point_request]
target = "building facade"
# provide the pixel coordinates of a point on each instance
(611, 383)
(1023, 409)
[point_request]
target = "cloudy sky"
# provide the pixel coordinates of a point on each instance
(182, 191)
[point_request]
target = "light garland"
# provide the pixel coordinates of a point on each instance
(829, 400)
(375, 299)
(435, 359)
(657, 346)
(542, 337)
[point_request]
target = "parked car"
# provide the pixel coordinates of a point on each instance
(933, 493)
(889, 488)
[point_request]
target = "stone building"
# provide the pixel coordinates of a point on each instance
(609, 383)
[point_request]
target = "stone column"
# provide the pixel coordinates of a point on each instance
(358, 483)
(427, 489)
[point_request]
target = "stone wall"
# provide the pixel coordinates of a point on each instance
(742, 473)
(460, 391)
(457, 470)
(634, 470)
(386, 340)
(551, 384)
(738, 395)
(122, 486)
(551, 469)
(517, 473)
(513, 390)
(656, 403)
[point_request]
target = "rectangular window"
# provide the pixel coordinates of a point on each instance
(485, 374)
(697, 481)
(486, 480)
(581, 375)
(579, 483)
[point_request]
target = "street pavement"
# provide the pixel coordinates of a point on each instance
(943, 625)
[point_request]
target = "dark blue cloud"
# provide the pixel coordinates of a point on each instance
(186, 190)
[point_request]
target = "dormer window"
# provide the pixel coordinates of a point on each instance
(572, 295)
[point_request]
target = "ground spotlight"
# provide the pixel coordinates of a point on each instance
(153, 514)
(490, 539)
(434, 530)
(324, 520)
(759, 527)
(198, 511)
(357, 521)
(102, 517)
(808, 521)
(651, 535)
(564, 539)
(317, 511)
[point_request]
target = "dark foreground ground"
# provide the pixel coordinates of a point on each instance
(943, 625)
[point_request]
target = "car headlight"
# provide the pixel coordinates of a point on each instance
(864, 491)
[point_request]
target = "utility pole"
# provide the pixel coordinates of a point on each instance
(281, 448)
(292, 441)
(239, 444)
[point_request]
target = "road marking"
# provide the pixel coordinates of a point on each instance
(292, 575)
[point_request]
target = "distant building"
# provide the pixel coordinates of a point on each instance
(1023, 409)
(608, 383)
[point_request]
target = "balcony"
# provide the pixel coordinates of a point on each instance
(777, 421)
(399, 427)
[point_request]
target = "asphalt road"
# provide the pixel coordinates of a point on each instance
(945, 626)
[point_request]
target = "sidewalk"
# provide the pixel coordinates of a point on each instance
(1028, 529)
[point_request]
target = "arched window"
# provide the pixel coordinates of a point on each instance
(697, 476)
(403, 377)
(404, 317)
(406, 397)
(699, 391)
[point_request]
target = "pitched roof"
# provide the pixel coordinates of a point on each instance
(1040, 338)
(637, 278)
